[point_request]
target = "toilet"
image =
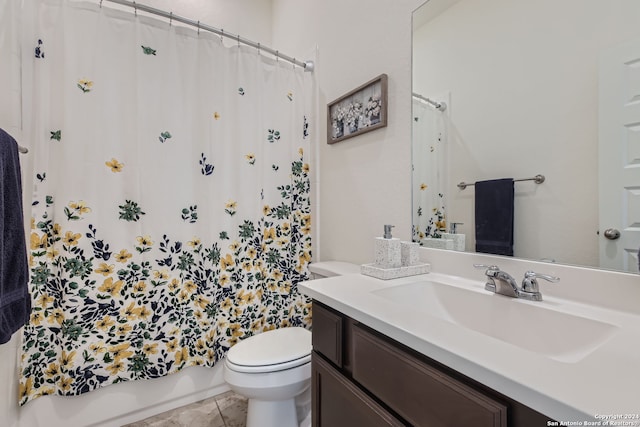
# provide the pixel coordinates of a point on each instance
(273, 369)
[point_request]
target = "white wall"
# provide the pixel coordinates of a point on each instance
(10, 122)
(525, 104)
(364, 181)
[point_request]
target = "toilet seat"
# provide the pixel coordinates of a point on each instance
(272, 351)
(264, 369)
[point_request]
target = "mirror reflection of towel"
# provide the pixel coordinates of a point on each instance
(494, 216)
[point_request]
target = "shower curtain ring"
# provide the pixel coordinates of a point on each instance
(238, 40)
(198, 27)
(135, 9)
(222, 35)
(277, 56)
(100, 4)
(170, 19)
(294, 63)
(258, 48)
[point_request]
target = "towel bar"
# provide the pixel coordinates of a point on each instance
(538, 179)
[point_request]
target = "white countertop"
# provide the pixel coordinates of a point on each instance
(604, 383)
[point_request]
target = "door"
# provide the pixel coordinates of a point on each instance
(619, 156)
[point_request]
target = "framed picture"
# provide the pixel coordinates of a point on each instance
(361, 110)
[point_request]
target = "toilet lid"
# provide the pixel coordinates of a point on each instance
(271, 351)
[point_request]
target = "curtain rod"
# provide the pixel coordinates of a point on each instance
(306, 65)
(441, 106)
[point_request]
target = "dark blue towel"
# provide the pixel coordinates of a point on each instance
(494, 216)
(15, 302)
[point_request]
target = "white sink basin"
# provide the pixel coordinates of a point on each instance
(529, 325)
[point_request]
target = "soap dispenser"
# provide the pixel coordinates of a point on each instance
(459, 240)
(388, 250)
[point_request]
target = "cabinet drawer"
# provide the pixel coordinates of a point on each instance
(327, 333)
(421, 394)
(339, 403)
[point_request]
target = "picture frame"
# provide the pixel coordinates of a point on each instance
(362, 110)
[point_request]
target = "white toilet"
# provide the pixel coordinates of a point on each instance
(273, 369)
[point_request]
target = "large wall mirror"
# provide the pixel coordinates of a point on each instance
(520, 88)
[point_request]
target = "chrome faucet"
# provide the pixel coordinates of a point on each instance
(501, 282)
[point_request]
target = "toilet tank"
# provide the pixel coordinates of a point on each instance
(324, 269)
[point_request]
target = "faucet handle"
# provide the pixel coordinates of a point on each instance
(530, 284)
(488, 267)
(491, 271)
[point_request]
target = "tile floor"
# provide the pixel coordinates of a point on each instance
(225, 410)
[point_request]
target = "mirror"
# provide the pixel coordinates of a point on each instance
(531, 88)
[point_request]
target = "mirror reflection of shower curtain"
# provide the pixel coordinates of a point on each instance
(429, 171)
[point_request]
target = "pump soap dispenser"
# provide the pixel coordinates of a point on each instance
(394, 258)
(388, 250)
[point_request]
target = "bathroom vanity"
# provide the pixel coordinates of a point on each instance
(363, 378)
(439, 350)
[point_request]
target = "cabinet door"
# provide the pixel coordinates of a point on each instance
(339, 403)
(418, 392)
(327, 333)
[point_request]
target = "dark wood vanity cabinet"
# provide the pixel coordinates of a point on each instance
(363, 378)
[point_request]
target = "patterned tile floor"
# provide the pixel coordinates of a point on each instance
(225, 410)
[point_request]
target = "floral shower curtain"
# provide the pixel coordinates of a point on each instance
(429, 171)
(171, 213)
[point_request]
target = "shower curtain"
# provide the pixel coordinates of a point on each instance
(429, 171)
(171, 213)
